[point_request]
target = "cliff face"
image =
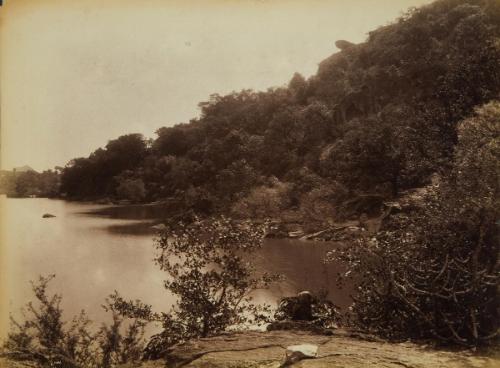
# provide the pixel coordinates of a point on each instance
(343, 349)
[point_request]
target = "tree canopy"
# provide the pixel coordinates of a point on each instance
(378, 117)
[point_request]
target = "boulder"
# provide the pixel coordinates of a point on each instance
(159, 227)
(294, 353)
(343, 44)
(296, 308)
(48, 215)
(295, 234)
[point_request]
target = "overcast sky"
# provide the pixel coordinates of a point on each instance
(75, 74)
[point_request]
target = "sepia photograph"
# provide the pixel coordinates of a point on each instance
(249, 183)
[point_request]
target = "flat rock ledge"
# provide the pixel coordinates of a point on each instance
(252, 349)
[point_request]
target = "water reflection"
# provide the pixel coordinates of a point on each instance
(95, 249)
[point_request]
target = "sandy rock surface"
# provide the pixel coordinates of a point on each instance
(254, 349)
(268, 349)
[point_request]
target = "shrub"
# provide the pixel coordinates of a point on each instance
(434, 271)
(319, 311)
(132, 189)
(209, 272)
(263, 202)
(46, 340)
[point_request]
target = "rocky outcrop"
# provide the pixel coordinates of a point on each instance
(344, 349)
(252, 349)
(343, 44)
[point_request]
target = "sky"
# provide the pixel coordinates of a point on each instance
(75, 74)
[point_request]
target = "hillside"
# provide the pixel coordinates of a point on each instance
(378, 117)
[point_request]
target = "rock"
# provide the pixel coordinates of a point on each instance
(48, 215)
(343, 44)
(252, 349)
(104, 201)
(314, 236)
(297, 308)
(159, 227)
(295, 353)
(307, 326)
(277, 230)
(295, 234)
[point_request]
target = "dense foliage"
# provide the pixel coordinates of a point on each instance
(378, 117)
(30, 183)
(433, 270)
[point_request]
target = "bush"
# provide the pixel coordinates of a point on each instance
(315, 309)
(43, 338)
(208, 271)
(263, 202)
(321, 204)
(434, 272)
(132, 189)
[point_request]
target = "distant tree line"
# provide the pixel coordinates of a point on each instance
(30, 183)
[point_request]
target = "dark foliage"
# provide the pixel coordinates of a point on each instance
(30, 183)
(433, 270)
(378, 117)
(315, 309)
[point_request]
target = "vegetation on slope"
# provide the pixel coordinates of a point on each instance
(378, 118)
(433, 270)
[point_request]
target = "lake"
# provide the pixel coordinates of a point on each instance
(93, 254)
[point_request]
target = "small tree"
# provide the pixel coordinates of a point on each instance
(209, 271)
(263, 202)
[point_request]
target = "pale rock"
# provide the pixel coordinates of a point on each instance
(294, 353)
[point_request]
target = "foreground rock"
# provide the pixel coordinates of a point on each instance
(48, 215)
(343, 349)
(252, 349)
(295, 353)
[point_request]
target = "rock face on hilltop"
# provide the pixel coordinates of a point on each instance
(343, 44)
(343, 349)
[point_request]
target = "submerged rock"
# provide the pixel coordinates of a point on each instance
(48, 215)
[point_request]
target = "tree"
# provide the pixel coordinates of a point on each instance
(93, 176)
(27, 184)
(132, 189)
(171, 141)
(237, 178)
(298, 87)
(210, 274)
(263, 202)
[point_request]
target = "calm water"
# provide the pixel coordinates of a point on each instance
(92, 255)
